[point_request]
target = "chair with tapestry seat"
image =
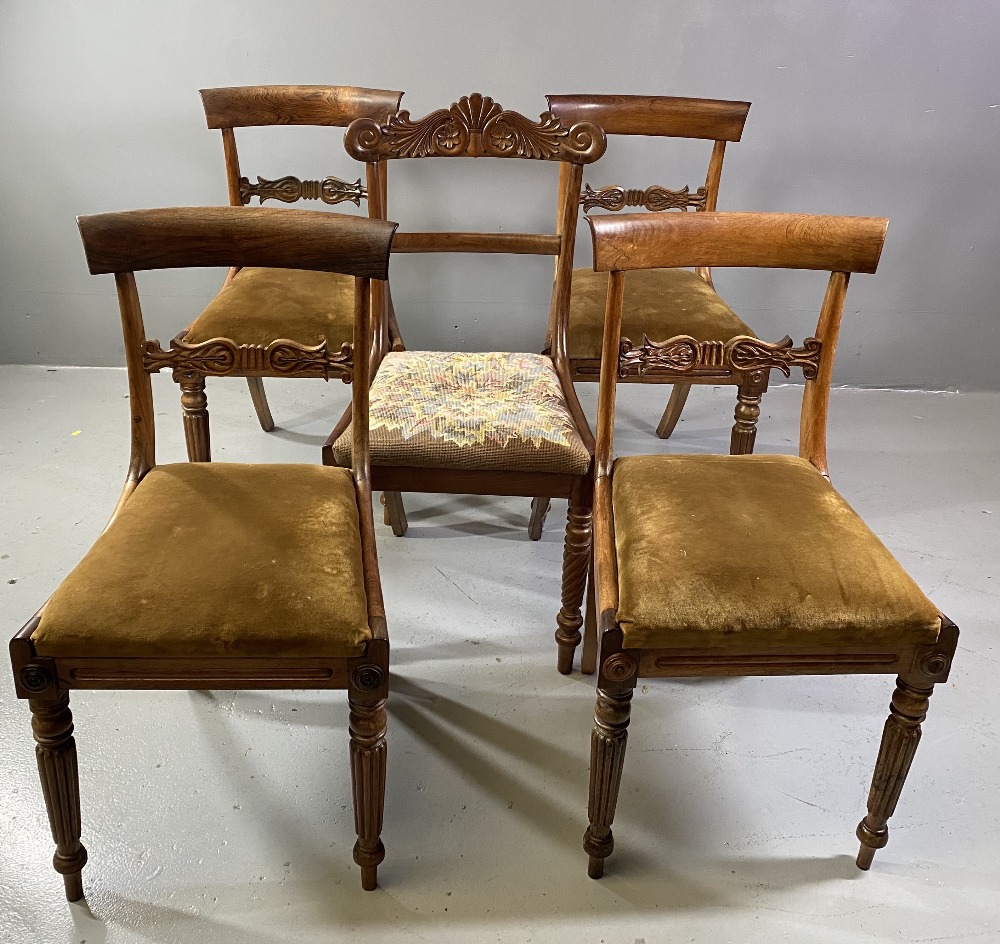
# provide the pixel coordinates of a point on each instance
(659, 303)
(221, 575)
(269, 322)
(715, 565)
(496, 423)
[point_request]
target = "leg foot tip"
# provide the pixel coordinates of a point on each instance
(595, 867)
(865, 858)
(369, 878)
(74, 887)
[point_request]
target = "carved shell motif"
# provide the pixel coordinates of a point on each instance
(474, 126)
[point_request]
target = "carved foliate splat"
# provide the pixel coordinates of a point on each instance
(330, 190)
(475, 126)
(684, 355)
(219, 357)
(654, 198)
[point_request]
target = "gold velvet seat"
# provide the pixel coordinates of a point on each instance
(715, 551)
(221, 576)
(258, 306)
(492, 411)
(278, 572)
(744, 564)
(669, 302)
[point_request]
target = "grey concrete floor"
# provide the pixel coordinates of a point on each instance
(225, 817)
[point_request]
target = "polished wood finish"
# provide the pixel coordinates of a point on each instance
(628, 243)
(476, 126)
(778, 240)
(664, 115)
(355, 246)
(179, 237)
(331, 105)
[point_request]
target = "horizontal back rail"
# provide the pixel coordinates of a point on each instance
(180, 237)
(776, 240)
(518, 243)
(332, 105)
(709, 118)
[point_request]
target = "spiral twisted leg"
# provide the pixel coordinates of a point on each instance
(576, 559)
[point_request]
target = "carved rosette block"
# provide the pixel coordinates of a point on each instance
(900, 738)
(331, 190)
(220, 357)
(368, 763)
(55, 750)
(686, 355)
(655, 198)
(576, 561)
(474, 126)
(607, 757)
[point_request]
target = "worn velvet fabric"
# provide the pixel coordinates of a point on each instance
(662, 303)
(217, 559)
(756, 552)
(494, 411)
(263, 305)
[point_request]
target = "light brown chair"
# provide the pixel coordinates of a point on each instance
(221, 575)
(659, 303)
(275, 321)
(713, 565)
(492, 423)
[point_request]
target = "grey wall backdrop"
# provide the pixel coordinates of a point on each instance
(879, 107)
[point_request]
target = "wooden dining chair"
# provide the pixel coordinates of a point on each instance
(660, 303)
(495, 423)
(221, 575)
(275, 320)
(712, 565)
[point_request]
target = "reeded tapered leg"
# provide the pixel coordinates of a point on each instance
(194, 405)
(395, 513)
(55, 750)
(256, 385)
(588, 661)
(899, 743)
(539, 510)
(747, 413)
(607, 756)
(368, 755)
(672, 413)
(576, 557)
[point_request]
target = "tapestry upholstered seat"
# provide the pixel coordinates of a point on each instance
(282, 577)
(494, 411)
(676, 301)
(715, 548)
(259, 306)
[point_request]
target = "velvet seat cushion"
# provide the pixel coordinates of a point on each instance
(218, 559)
(494, 411)
(753, 552)
(263, 305)
(662, 303)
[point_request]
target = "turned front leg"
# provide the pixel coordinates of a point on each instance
(194, 407)
(576, 560)
(368, 759)
(744, 434)
(607, 757)
(55, 750)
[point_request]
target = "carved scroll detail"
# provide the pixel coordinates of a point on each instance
(654, 198)
(474, 126)
(684, 355)
(330, 190)
(218, 357)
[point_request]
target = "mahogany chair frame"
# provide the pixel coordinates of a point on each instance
(476, 126)
(840, 245)
(260, 106)
(122, 244)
